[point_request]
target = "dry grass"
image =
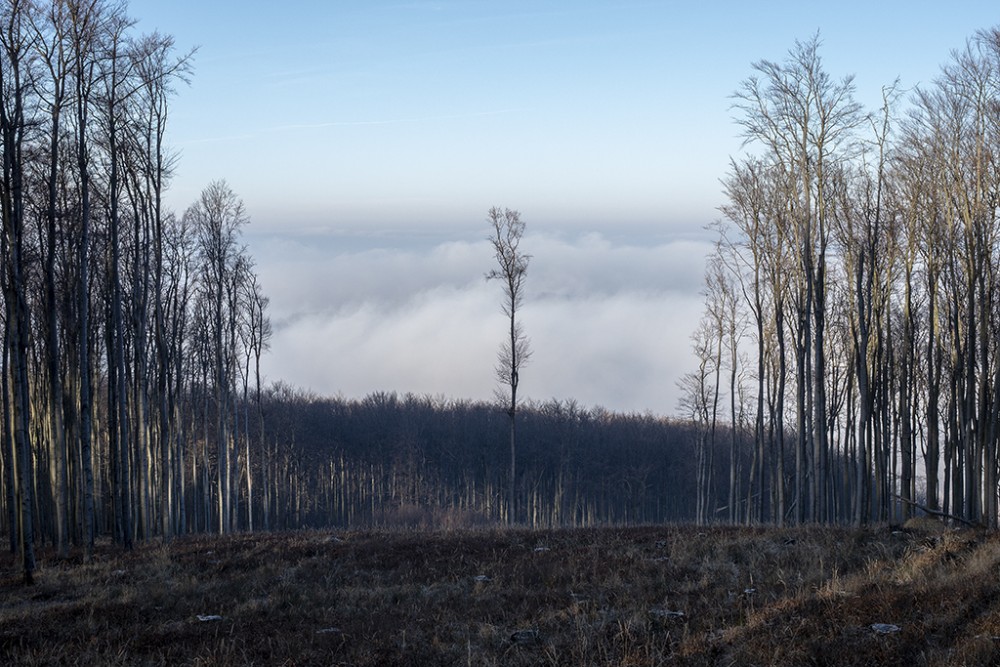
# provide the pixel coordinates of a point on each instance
(608, 596)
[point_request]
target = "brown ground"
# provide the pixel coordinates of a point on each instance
(607, 596)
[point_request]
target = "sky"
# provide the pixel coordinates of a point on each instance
(368, 139)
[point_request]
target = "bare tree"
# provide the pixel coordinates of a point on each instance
(217, 217)
(512, 267)
(805, 122)
(84, 35)
(726, 322)
(699, 402)
(51, 27)
(255, 335)
(15, 82)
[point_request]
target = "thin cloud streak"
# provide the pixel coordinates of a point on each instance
(392, 121)
(345, 123)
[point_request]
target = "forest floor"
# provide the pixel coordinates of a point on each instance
(679, 595)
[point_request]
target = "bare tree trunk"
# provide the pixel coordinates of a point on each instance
(56, 65)
(12, 129)
(7, 437)
(934, 362)
(782, 509)
(22, 433)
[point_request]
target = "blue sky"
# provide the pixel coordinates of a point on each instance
(375, 135)
(424, 113)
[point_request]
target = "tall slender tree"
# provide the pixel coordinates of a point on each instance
(16, 80)
(512, 267)
(51, 31)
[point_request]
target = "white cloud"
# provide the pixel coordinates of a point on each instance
(609, 322)
(623, 351)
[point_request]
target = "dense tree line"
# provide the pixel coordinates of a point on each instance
(407, 460)
(851, 313)
(127, 330)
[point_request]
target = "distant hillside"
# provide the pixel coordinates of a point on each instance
(409, 460)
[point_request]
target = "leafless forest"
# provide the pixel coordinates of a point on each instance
(848, 369)
(851, 321)
(122, 321)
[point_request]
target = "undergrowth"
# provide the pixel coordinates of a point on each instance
(604, 596)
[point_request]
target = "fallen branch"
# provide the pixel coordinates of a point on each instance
(938, 513)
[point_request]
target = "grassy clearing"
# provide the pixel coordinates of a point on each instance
(607, 596)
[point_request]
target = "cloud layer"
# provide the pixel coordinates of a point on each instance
(609, 322)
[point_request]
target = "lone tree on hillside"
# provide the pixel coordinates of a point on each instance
(512, 266)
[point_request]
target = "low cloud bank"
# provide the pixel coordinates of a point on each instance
(609, 322)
